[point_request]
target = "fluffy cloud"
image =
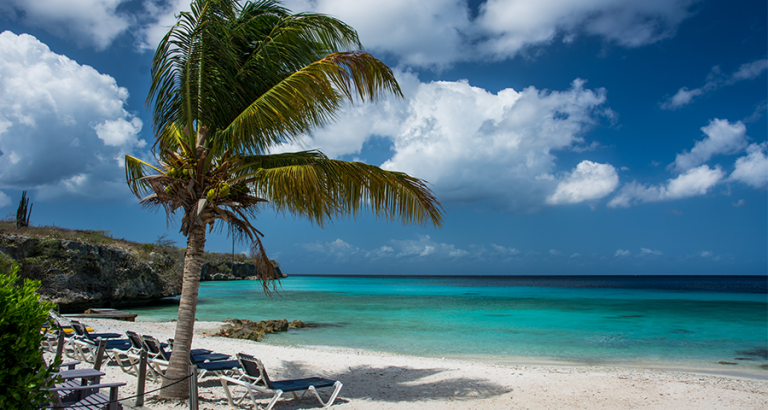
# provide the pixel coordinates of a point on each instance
(423, 33)
(694, 182)
(722, 138)
(587, 182)
(752, 169)
(512, 25)
(92, 22)
(158, 17)
(453, 135)
(504, 250)
(715, 80)
(621, 252)
(646, 251)
(438, 33)
(424, 247)
(63, 126)
(337, 249)
(474, 146)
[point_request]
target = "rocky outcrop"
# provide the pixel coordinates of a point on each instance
(226, 271)
(78, 275)
(247, 329)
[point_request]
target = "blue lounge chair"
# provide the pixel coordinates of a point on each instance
(216, 363)
(156, 349)
(82, 332)
(255, 380)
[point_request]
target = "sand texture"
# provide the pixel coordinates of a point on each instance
(383, 381)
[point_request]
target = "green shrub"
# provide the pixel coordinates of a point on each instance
(23, 374)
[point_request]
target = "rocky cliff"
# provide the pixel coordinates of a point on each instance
(78, 275)
(228, 271)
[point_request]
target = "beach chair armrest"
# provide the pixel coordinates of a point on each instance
(247, 385)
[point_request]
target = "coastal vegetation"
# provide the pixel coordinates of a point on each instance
(23, 375)
(230, 83)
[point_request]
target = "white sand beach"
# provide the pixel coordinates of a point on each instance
(375, 380)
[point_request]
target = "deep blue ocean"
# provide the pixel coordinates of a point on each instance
(670, 321)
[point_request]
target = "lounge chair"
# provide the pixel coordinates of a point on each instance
(155, 349)
(215, 363)
(82, 331)
(255, 380)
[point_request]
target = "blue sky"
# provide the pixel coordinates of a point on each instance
(562, 137)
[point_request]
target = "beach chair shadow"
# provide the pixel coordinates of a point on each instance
(254, 380)
(403, 384)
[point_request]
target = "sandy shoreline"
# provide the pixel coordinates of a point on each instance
(383, 381)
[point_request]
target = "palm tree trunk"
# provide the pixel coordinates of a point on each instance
(185, 326)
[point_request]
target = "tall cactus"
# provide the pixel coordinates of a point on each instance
(22, 214)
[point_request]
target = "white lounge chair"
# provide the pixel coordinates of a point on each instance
(255, 380)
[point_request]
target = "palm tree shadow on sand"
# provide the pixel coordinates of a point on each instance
(391, 384)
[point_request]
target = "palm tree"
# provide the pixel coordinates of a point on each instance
(230, 81)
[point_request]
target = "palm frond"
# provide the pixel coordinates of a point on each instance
(136, 172)
(307, 99)
(310, 185)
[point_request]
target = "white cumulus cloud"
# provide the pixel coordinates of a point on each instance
(338, 249)
(453, 134)
(63, 126)
(512, 25)
(646, 251)
(438, 33)
(722, 138)
(622, 252)
(587, 182)
(471, 145)
(694, 182)
(504, 250)
(752, 169)
(426, 247)
(91, 22)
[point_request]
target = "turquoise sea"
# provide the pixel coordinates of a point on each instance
(687, 322)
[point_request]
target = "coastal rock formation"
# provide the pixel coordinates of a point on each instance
(247, 329)
(226, 271)
(78, 275)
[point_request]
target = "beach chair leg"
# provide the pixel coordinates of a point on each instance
(232, 402)
(201, 373)
(274, 400)
(125, 365)
(337, 387)
(227, 392)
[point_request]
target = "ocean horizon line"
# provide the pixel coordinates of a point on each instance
(416, 276)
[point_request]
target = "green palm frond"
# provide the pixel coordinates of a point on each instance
(136, 172)
(310, 185)
(307, 99)
(173, 138)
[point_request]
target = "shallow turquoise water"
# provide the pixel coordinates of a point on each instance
(658, 321)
